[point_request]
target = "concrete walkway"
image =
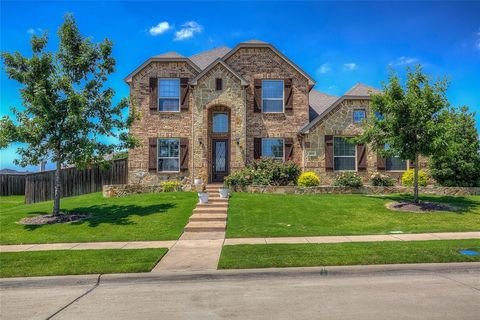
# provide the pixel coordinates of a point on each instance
(198, 240)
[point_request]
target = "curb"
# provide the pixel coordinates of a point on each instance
(243, 274)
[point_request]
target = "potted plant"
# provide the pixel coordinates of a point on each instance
(224, 192)
(202, 195)
(197, 182)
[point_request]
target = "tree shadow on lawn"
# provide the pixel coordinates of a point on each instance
(464, 204)
(111, 214)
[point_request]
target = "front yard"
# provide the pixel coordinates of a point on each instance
(281, 215)
(155, 216)
(337, 254)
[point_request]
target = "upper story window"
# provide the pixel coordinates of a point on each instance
(168, 155)
(220, 122)
(273, 148)
(344, 155)
(272, 96)
(218, 84)
(359, 115)
(169, 95)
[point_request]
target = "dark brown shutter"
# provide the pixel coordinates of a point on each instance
(153, 85)
(361, 157)
(218, 84)
(380, 160)
(329, 152)
(288, 95)
(183, 154)
(288, 149)
(257, 95)
(152, 154)
(184, 93)
(257, 148)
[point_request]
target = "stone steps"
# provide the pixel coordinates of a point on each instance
(208, 217)
(206, 226)
(210, 210)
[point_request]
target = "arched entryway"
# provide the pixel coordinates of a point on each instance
(219, 130)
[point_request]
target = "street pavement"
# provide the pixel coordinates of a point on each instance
(368, 292)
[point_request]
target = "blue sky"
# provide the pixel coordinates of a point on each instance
(338, 43)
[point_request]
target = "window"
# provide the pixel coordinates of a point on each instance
(344, 155)
(358, 115)
(220, 123)
(218, 84)
(272, 148)
(272, 95)
(395, 164)
(168, 95)
(168, 155)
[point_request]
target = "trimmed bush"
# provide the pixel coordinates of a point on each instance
(381, 180)
(408, 177)
(170, 186)
(265, 172)
(308, 179)
(348, 179)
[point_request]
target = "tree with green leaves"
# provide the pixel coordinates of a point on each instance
(457, 162)
(407, 118)
(67, 109)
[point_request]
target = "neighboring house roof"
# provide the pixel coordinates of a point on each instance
(213, 64)
(361, 89)
(261, 44)
(358, 91)
(205, 58)
(319, 102)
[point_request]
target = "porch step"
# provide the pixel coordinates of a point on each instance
(208, 217)
(206, 226)
(213, 205)
(210, 210)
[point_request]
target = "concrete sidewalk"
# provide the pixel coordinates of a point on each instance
(191, 237)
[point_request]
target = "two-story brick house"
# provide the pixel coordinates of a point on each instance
(209, 114)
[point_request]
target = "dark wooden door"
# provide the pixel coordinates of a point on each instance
(219, 159)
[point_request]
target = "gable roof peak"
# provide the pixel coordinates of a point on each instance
(255, 41)
(170, 54)
(360, 90)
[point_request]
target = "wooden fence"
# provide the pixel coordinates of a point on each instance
(41, 187)
(12, 184)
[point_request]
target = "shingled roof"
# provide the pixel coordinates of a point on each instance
(319, 102)
(205, 58)
(361, 90)
(171, 54)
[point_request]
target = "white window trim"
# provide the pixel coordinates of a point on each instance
(359, 109)
(179, 164)
(159, 97)
(334, 156)
(283, 149)
(275, 99)
(228, 122)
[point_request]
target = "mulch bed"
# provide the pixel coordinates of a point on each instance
(64, 217)
(421, 207)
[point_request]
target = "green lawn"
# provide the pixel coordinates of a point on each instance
(62, 262)
(280, 215)
(334, 254)
(155, 216)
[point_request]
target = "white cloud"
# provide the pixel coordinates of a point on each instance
(189, 29)
(160, 28)
(477, 43)
(350, 66)
(403, 60)
(34, 30)
(324, 68)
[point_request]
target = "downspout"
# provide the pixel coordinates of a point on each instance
(193, 137)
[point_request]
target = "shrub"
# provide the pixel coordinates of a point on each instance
(348, 179)
(265, 172)
(308, 179)
(408, 177)
(381, 180)
(170, 186)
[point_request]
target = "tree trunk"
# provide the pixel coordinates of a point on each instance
(415, 180)
(56, 201)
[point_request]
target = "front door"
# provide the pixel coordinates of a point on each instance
(219, 159)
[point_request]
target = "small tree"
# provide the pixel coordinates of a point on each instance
(457, 163)
(66, 107)
(407, 118)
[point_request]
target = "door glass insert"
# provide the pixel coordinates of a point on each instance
(220, 152)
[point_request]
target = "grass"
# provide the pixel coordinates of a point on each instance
(155, 216)
(280, 215)
(63, 262)
(361, 253)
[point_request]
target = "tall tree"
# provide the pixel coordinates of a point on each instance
(67, 109)
(457, 163)
(406, 118)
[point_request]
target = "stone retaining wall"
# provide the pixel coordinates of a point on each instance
(122, 190)
(444, 191)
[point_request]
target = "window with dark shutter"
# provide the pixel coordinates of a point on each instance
(218, 84)
(288, 95)
(361, 157)
(153, 88)
(257, 95)
(257, 148)
(329, 152)
(184, 154)
(288, 149)
(152, 154)
(184, 93)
